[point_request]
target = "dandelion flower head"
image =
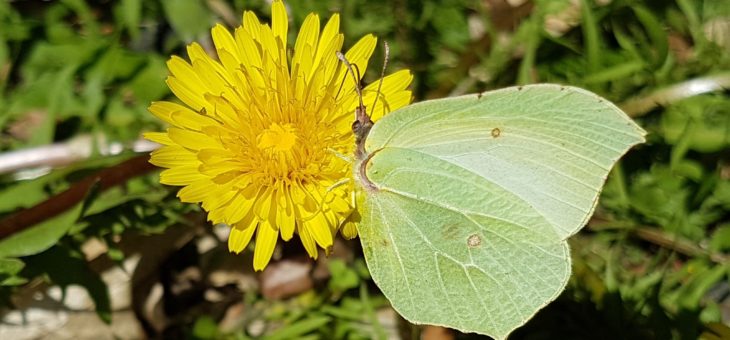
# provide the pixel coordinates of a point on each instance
(259, 137)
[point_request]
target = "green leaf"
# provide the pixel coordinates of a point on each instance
(130, 13)
(23, 194)
(704, 120)
(86, 16)
(721, 238)
(14, 281)
(620, 71)
(11, 266)
(39, 237)
(467, 202)
(189, 18)
(47, 57)
(450, 22)
(205, 328)
(147, 85)
(591, 36)
(655, 30)
(343, 277)
(703, 278)
(299, 328)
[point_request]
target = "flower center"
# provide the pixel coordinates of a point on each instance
(279, 138)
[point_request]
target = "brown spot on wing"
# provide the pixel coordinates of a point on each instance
(474, 241)
(450, 231)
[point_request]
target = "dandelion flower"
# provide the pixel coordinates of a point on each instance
(259, 137)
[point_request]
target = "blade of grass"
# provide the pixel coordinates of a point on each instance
(591, 38)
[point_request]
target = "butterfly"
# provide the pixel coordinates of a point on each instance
(465, 203)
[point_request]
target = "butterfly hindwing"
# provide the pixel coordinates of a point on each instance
(471, 199)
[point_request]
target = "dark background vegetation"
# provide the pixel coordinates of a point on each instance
(653, 263)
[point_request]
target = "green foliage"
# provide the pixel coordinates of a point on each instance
(650, 265)
(700, 123)
(39, 238)
(187, 18)
(65, 266)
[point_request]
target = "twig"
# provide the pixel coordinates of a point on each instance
(663, 239)
(224, 10)
(65, 153)
(63, 201)
(636, 107)
(677, 243)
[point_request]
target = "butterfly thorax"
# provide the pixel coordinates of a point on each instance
(361, 128)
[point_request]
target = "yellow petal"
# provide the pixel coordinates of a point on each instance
(215, 155)
(195, 192)
(235, 179)
(330, 31)
(266, 237)
(192, 120)
(170, 156)
(192, 140)
(196, 52)
(349, 230)
(308, 241)
(241, 204)
(189, 96)
(328, 39)
(270, 48)
(339, 205)
(307, 39)
(158, 137)
(279, 23)
(216, 202)
(224, 41)
(330, 66)
(182, 70)
(320, 229)
(164, 110)
(264, 203)
(360, 53)
(251, 56)
(241, 234)
(212, 80)
(302, 72)
(211, 69)
(251, 24)
(393, 94)
(182, 175)
(215, 169)
(285, 219)
(225, 111)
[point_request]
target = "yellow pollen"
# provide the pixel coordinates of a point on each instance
(280, 138)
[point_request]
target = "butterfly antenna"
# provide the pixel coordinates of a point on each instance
(342, 83)
(355, 78)
(362, 124)
(382, 74)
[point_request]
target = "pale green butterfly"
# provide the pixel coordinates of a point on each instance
(466, 203)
